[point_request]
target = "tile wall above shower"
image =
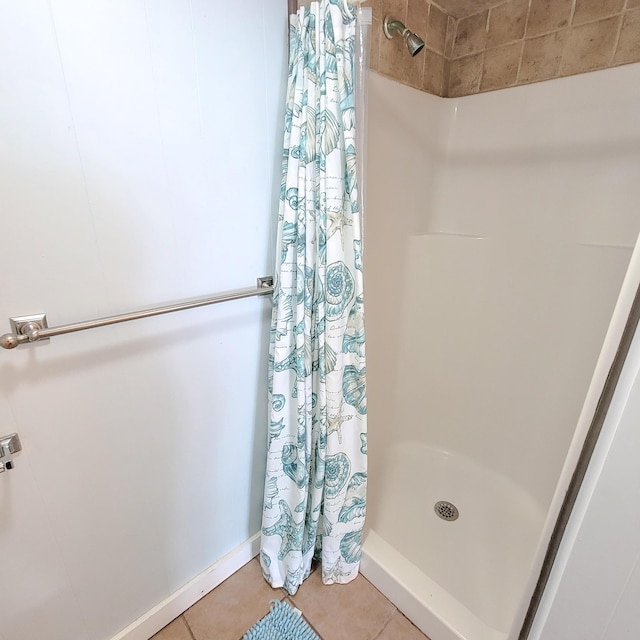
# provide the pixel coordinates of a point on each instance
(524, 41)
(428, 70)
(474, 46)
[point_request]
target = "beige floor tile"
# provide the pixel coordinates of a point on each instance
(233, 607)
(399, 628)
(343, 612)
(177, 630)
(293, 605)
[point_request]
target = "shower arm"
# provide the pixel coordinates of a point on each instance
(395, 25)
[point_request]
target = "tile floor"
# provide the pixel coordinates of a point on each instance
(355, 611)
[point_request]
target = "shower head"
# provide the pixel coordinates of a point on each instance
(415, 44)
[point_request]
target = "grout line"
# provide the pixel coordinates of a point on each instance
(427, 39)
(403, 12)
(454, 37)
(548, 33)
(387, 623)
(572, 13)
(517, 80)
(381, 630)
(527, 19)
(565, 46)
(446, 73)
(617, 42)
(188, 627)
(475, 13)
(438, 53)
(500, 4)
(481, 73)
(442, 9)
(599, 19)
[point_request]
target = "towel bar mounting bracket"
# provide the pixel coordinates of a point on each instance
(26, 328)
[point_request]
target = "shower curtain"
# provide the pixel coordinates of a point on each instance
(315, 489)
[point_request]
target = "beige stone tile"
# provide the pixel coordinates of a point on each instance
(436, 34)
(399, 628)
(471, 35)
(501, 66)
(591, 10)
(465, 75)
(233, 607)
(548, 15)
(418, 17)
(451, 36)
(395, 8)
(628, 49)
(590, 46)
(177, 630)
(542, 56)
(507, 22)
(391, 52)
(412, 69)
(344, 611)
(433, 78)
(464, 8)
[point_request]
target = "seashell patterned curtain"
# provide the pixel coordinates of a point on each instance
(315, 490)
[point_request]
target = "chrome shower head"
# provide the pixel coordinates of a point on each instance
(415, 44)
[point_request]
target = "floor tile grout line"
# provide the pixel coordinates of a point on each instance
(388, 622)
(184, 619)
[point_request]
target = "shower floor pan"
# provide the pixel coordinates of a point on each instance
(458, 570)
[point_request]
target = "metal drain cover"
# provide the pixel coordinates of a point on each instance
(446, 510)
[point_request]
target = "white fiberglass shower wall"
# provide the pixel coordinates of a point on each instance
(499, 230)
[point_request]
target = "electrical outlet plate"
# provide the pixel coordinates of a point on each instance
(9, 446)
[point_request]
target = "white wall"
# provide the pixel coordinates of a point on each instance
(139, 164)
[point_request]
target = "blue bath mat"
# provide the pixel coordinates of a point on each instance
(281, 623)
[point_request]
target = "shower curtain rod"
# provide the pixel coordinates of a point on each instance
(34, 328)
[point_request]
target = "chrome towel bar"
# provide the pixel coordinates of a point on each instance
(34, 328)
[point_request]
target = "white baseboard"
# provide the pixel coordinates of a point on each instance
(164, 612)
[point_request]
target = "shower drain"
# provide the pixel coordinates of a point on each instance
(446, 510)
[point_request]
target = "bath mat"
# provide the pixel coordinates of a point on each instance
(281, 623)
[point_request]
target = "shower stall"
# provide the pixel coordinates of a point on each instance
(499, 230)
